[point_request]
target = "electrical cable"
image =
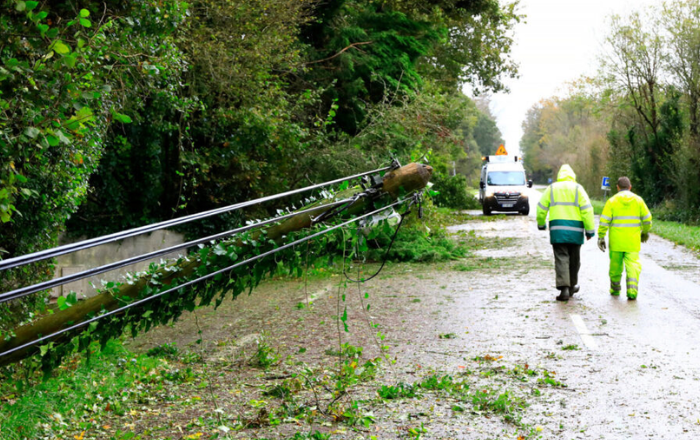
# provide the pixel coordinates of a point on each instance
(415, 199)
(86, 244)
(28, 290)
(205, 277)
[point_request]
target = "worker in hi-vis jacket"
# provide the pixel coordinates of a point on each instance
(570, 220)
(629, 221)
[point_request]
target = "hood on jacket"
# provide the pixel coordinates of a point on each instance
(566, 174)
(625, 197)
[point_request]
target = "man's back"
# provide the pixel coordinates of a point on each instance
(569, 209)
(627, 216)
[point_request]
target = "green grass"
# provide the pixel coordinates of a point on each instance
(684, 235)
(597, 206)
(78, 392)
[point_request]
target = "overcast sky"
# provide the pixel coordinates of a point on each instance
(558, 42)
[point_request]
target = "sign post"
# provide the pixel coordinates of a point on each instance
(605, 186)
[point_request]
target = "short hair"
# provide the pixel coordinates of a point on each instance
(624, 182)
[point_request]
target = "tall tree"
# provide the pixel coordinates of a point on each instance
(680, 20)
(634, 63)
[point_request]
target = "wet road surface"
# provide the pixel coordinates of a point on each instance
(631, 368)
(637, 373)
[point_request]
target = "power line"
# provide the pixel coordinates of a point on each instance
(28, 290)
(205, 277)
(86, 244)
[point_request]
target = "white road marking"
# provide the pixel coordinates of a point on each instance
(583, 332)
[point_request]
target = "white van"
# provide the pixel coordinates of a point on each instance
(502, 185)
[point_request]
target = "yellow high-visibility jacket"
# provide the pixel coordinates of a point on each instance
(570, 210)
(627, 216)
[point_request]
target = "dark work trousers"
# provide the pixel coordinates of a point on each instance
(567, 262)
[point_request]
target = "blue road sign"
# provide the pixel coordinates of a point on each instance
(606, 183)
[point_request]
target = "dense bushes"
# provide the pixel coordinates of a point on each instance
(68, 76)
(452, 192)
(415, 244)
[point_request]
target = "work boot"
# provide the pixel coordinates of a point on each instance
(631, 296)
(564, 295)
(614, 292)
(574, 289)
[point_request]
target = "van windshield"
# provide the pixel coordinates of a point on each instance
(506, 178)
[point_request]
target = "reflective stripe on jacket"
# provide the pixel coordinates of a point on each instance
(627, 216)
(569, 208)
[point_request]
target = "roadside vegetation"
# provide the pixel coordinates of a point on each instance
(679, 233)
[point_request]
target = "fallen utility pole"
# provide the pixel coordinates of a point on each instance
(406, 179)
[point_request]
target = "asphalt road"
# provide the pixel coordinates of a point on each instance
(637, 373)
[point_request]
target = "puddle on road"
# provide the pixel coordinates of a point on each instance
(510, 226)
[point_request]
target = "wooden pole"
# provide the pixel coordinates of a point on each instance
(402, 180)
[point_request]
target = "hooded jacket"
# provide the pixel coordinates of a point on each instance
(627, 217)
(569, 208)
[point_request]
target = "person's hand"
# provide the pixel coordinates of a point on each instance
(601, 244)
(588, 238)
(645, 237)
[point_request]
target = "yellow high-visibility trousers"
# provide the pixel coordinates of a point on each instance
(628, 261)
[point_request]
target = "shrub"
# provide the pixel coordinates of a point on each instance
(453, 192)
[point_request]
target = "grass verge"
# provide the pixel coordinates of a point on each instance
(684, 235)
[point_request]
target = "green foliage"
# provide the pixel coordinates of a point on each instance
(63, 399)
(116, 117)
(167, 350)
(504, 403)
(679, 233)
(598, 206)
(452, 192)
(350, 371)
(265, 356)
(66, 76)
(414, 244)
(434, 382)
(639, 118)
(316, 435)
(246, 128)
(548, 378)
(397, 391)
(380, 47)
(487, 135)
(565, 130)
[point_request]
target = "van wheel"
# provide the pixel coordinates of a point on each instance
(525, 211)
(486, 210)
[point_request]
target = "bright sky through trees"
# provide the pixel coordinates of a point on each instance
(558, 42)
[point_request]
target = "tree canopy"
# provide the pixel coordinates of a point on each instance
(116, 114)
